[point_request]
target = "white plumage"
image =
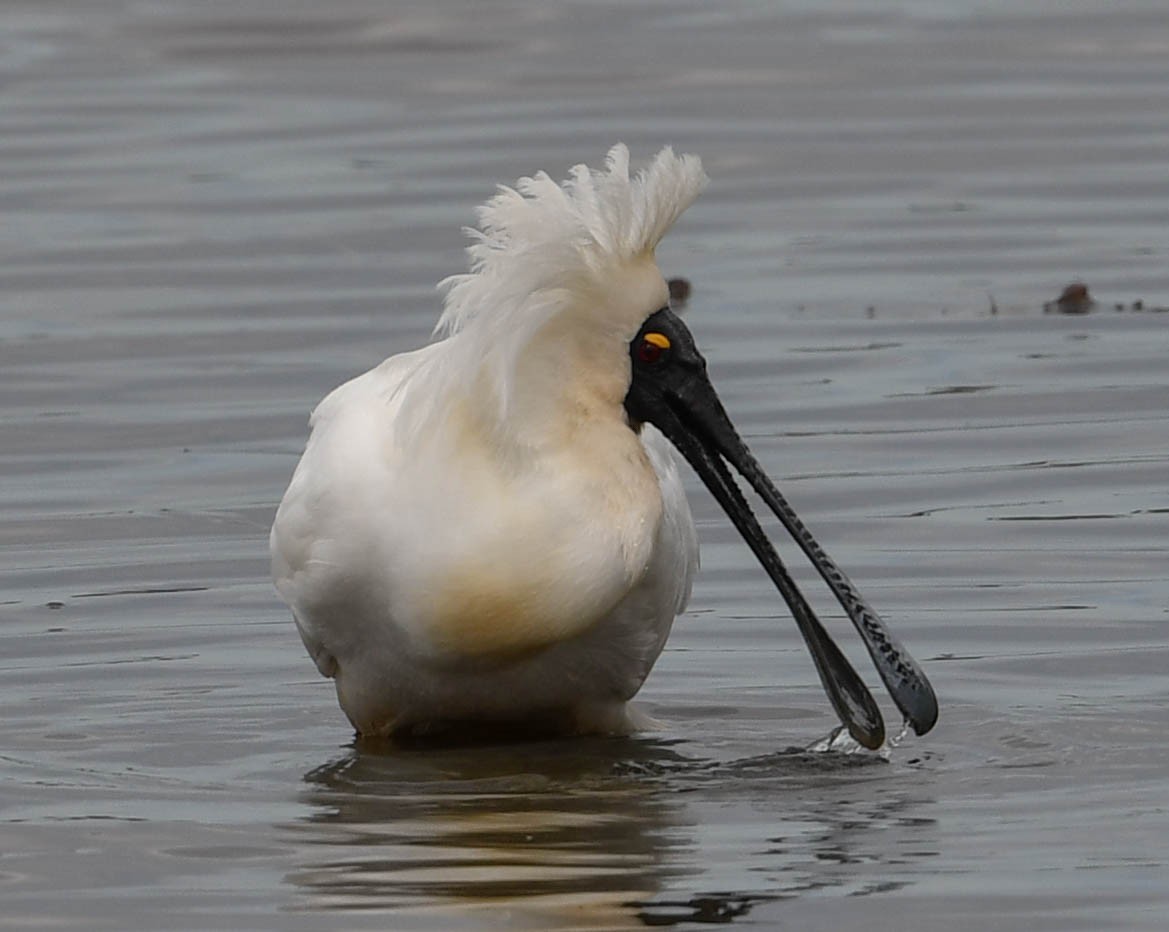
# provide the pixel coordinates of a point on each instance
(474, 532)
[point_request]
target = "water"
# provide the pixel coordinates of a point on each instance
(215, 213)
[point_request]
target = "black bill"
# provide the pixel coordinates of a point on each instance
(670, 389)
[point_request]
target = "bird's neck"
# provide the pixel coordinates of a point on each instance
(568, 378)
(568, 382)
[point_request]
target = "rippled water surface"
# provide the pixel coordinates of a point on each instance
(214, 212)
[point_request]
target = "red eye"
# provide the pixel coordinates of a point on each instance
(649, 352)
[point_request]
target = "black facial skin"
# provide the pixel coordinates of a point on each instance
(670, 390)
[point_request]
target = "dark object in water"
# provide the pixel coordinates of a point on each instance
(1074, 299)
(679, 291)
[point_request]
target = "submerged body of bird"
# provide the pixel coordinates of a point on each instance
(493, 529)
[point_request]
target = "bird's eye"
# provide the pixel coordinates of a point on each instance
(652, 347)
(649, 352)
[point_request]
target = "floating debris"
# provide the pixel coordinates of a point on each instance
(679, 291)
(1074, 299)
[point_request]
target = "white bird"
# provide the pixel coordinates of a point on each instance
(492, 530)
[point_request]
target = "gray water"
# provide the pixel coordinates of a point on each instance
(214, 212)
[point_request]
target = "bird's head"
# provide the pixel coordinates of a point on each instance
(563, 273)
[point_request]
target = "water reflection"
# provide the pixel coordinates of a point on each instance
(551, 824)
(594, 834)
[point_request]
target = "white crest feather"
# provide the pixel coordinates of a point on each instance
(541, 237)
(543, 249)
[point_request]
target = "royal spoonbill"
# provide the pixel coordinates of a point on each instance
(492, 530)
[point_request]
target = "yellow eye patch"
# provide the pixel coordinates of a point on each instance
(660, 340)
